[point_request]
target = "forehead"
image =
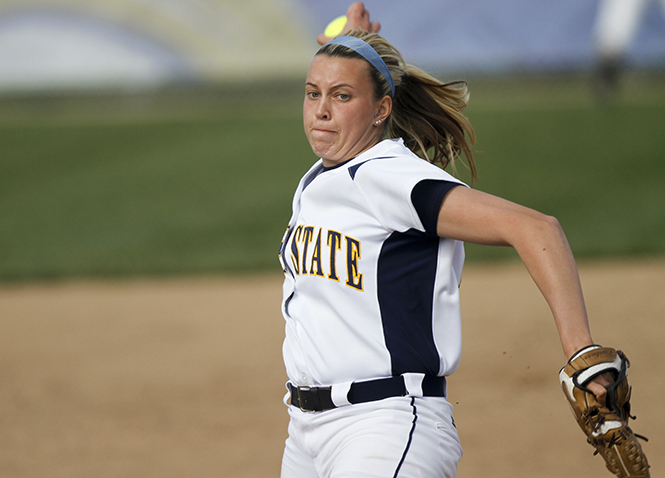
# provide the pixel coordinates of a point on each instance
(333, 70)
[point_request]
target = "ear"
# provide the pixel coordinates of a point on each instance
(383, 108)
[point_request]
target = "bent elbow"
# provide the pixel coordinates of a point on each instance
(549, 229)
(538, 228)
(552, 223)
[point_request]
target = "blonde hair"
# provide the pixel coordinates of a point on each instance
(427, 113)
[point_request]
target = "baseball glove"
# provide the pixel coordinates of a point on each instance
(606, 426)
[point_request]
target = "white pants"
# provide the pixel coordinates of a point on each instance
(401, 437)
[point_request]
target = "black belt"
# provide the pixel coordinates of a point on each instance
(318, 399)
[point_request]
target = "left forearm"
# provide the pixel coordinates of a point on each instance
(547, 256)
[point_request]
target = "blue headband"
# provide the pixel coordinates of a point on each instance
(364, 49)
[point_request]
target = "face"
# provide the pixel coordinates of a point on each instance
(340, 112)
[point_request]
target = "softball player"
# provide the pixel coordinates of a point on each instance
(372, 258)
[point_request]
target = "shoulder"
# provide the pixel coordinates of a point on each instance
(391, 159)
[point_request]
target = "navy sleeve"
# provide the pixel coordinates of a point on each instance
(427, 197)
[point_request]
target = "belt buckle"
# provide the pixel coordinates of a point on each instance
(301, 399)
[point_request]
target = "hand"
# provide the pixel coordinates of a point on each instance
(598, 384)
(357, 18)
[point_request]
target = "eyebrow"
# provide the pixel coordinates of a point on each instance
(341, 85)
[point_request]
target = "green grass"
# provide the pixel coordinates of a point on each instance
(118, 187)
(148, 197)
(600, 171)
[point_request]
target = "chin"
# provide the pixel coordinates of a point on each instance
(321, 152)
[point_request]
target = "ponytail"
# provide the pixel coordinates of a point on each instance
(427, 114)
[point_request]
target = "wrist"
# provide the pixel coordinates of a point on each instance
(584, 349)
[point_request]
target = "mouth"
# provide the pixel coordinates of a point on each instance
(322, 135)
(323, 131)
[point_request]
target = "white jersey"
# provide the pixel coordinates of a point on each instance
(367, 292)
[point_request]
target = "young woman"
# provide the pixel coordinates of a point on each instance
(373, 257)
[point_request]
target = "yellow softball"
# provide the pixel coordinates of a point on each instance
(335, 27)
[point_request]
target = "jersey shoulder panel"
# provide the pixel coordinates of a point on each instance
(386, 180)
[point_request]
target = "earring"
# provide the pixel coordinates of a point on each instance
(378, 122)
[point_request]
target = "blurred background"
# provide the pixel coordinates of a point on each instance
(146, 137)
(69, 44)
(149, 150)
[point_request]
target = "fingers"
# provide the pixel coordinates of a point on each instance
(599, 391)
(598, 384)
(357, 18)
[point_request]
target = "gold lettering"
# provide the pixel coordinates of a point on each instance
(295, 253)
(353, 276)
(309, 232)
(334, 245)
(316, 257)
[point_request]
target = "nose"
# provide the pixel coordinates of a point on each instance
(323, 109)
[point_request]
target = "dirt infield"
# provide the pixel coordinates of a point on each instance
(183, 378)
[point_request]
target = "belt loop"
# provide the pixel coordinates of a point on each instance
(340, 393)
(414, 384)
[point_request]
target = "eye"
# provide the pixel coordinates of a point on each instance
(312, 94)
(343, 96)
